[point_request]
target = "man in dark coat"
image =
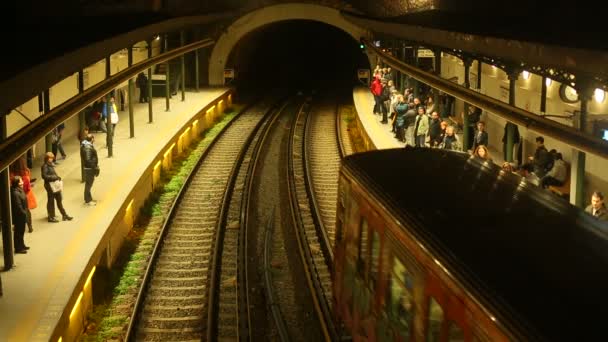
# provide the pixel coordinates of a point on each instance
(435, 130)
(19, 211)
(91, 167)
(142, 83)
(597, 208)
(481, 136)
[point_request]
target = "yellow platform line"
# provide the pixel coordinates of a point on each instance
(28, 322)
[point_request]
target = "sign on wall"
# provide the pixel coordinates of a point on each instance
(425, 53)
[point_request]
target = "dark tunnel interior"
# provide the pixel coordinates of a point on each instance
(298, 54)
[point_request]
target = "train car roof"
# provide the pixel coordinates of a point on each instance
(538, 260)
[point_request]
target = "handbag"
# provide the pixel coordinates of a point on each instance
(56, 186)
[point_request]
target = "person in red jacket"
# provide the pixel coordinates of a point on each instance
(376, 89)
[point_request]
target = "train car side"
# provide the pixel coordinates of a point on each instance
(389, 286)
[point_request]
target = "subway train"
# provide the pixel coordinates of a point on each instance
(436, 245)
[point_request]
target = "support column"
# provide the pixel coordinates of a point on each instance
(196, 70)
(182, 41)
(436, 99)
(150, 97)
(465, 117)
(5, 205)
(167, 78)
(577, 197)
(403, 77)
(414, 81)
(131, 95)
(109, 130)
(479, 66)
(81, 119)
(543, 96)
(46, 107)
(512, 75)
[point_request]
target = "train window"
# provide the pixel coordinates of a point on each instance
(363, 249)
(352, 230)
(373, 272)
(400, 299)
(435, 319)
(455, 333)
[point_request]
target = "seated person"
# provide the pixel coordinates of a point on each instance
(558, 173)
(526, 172)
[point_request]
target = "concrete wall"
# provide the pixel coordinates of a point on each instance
(68, 88)
(494, 83)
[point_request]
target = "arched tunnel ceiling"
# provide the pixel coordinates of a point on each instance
(301, 54)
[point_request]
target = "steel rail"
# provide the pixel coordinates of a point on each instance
(314, 206)
(275, 309)
(20, 142)
(242, 253)
(555, 130)
(216, 261)
(328, 328)
(133, 321)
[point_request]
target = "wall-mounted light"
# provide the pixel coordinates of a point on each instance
(548, 81)
(599, 95)
(157, 37)
(525, 74)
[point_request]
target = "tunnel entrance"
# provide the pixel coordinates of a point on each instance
(296, 54)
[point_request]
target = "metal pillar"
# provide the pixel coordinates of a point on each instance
(46, 107)
(196, 71)
(414, 81)
(182, 41)
(437, 53)
(513, 75)
(167, 78)
(131, 97)
(479, 65)
(109, 130)
(81, 119)
(5, 205)
(150, 97)
(585, 96)
(465, 117)
(543, 95)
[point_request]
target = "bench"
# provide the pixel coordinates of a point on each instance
(563, 190)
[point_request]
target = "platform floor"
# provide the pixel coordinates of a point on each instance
(37, 289)
(381, 134)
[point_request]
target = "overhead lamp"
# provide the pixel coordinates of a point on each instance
(599, 95)
(548, 81)
(525, 74)
(157, 37)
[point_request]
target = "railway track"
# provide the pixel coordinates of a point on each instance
(314, 161)
(231, 315)
(175, 294)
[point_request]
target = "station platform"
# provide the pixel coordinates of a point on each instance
(38, 288)
(380, 134)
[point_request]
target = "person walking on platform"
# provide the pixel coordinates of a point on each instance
(597, 208)
(142, 83)
(19, 212)
(113, 112)
(91, 167)
(57, 146)
(19, 168)
(54, 190)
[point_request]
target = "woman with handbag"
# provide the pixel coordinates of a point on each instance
(53, 186)
(19, 168)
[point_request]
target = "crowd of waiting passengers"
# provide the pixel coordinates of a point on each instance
(418, 123)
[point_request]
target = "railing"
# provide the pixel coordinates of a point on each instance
(568, 135)
(20, 142)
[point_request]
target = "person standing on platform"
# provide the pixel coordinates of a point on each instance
(142, 83)
(113, 112)
(19, 168)
(54, 193)
(19, 213)
(91, 167)
(435, 130)
(376, 89)
(421, 127)
(481, 136)
(597, 208)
